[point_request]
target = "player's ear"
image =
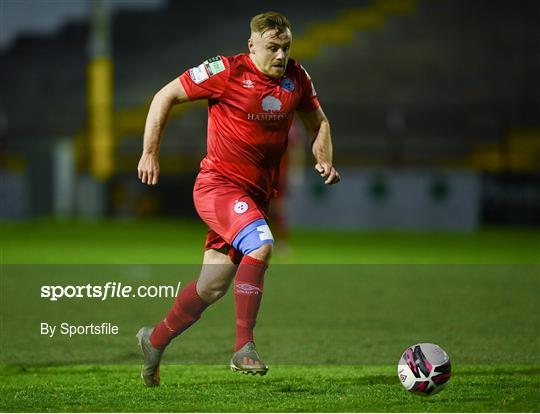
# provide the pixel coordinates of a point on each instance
(251, 46)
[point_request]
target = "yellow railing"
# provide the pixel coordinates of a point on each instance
(519, 152)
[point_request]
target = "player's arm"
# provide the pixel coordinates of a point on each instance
(171, 94)
(318, 126)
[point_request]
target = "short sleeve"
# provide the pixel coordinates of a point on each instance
(309, 101)
(208, 80)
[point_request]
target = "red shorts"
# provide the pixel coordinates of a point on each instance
(226, 208)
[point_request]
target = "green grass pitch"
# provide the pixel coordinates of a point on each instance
(286, 389)
(338, 353)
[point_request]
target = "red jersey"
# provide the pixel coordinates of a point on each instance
(249, 116)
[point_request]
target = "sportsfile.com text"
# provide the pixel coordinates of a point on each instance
(109, 290)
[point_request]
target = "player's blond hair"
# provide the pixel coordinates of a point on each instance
(269, 21)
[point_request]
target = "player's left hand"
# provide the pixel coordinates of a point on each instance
(329, 173)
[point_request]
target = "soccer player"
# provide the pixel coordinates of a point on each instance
(252, 98)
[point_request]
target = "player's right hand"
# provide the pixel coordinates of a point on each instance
(148, 169)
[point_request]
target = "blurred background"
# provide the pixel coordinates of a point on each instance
(434, 104)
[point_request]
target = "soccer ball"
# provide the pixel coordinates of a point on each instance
(424, 369)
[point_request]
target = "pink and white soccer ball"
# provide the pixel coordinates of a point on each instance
(424, 369)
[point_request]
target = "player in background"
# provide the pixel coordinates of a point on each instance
(252, 98)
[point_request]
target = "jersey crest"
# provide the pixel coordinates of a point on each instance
(288, 84)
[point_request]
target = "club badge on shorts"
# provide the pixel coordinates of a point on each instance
(240, 207)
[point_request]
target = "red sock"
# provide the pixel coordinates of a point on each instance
(187, 309)
(248, 289)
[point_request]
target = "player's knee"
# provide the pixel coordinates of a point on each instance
(255, 240)
(263, 253)
(213, 295)
(212, 292)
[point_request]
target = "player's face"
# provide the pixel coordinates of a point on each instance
(270, 51)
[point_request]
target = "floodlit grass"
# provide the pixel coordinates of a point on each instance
(203, 388)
